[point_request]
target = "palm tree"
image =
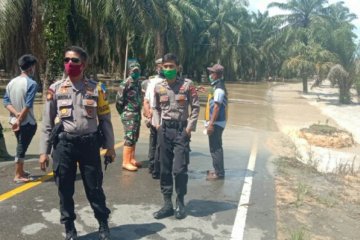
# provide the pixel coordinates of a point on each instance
(218, 38)
(301, 13)
(337, 27)
(345, 79)
(55, 35)
(15, 33)
(308, 59)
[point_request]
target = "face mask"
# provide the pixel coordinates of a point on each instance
(169, 74)
(73, 70)
(32, 73)
(210, 79)
(135, 75)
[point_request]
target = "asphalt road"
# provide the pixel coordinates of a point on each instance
(240, 207)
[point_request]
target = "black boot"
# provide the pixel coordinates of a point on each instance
(166, 211)
(180, 211)
(70, 230)
(104, 232)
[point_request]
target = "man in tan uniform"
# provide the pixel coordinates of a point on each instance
(173, 98)
(77, 104)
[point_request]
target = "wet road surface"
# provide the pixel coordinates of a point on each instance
(240, 207)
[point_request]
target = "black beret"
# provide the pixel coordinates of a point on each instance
(26, 61)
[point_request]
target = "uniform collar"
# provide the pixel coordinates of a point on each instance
(78, 85)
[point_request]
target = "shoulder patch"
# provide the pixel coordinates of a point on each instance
(102, 90)
(56, 84)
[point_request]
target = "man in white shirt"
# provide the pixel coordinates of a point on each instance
(18, 100)
(154, 166)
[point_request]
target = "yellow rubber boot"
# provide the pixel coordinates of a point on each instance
(133, 160)
(126, 164)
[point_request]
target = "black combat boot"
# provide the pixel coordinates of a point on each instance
(180, 211)
(104, 232)
(167, 210)
(70, 230)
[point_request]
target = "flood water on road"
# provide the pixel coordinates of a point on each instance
(250, 106)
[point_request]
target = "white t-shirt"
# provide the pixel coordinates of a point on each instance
(219, 95)
(150, 90)
(150, 93)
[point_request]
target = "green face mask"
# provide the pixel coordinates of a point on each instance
(210, 79)
(169, 74)
(135, 75)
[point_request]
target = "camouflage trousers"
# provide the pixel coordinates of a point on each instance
(131, 122)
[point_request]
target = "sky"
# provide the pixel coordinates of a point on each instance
(353, 5)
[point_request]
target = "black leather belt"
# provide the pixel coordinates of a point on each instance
(78, 138)
(174, 124)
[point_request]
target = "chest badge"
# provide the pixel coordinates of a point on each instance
(89, 111)
(64, 111)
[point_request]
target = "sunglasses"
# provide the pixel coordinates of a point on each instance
(74, 60)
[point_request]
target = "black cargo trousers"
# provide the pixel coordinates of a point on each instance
(154, 164)
(174, 157)
(216, 150)
(84, 150)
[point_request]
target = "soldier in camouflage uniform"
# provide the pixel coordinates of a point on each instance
(128, 104)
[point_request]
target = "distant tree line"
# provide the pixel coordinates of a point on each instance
(308, 40)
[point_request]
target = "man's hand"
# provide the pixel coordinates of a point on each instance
(148, 114)
(210, 129)
(16, 126)
(111, 153)
(188, 132)
(44, 161)
(200, 89)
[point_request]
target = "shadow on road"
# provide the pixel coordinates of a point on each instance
(197, 154)
(203, 208)
(27, 157)
(129, 231)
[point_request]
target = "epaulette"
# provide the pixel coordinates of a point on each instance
(57, 84)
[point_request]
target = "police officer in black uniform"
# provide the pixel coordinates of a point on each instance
(173, 97)
(74, 107)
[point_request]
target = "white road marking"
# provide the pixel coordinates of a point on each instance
(240, 220)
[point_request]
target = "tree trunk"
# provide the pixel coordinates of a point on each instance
(36, 43)
(305, 84)
(159, 44)
(344, 96)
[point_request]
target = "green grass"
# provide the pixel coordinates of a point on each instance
(299, 234)
(322, 129)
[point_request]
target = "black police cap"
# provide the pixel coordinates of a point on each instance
(26, 61)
